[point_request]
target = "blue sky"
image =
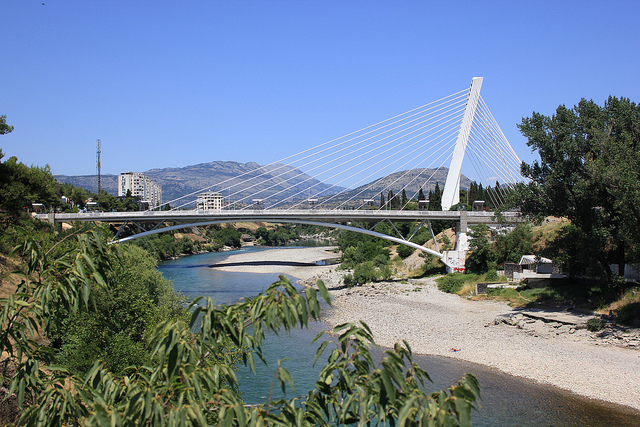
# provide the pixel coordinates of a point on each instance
(176, 83)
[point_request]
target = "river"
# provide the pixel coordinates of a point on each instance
(506, 400)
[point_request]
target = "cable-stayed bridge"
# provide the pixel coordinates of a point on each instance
(455, 130)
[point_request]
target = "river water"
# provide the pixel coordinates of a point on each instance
(506, 400)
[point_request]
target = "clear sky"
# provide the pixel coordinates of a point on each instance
(177, 83)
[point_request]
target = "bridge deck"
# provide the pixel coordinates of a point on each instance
(273, 215)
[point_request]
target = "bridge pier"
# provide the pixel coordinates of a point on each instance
(456, 258)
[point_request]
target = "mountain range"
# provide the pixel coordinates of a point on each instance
(276, 182)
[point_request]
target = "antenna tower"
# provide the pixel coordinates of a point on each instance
(98, 151)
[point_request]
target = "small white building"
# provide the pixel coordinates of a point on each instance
(540, 265)
(534, 267)
(209, 201)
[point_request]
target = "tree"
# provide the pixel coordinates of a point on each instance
(589, 172)
(483, 256)
(435, 199)
(191, 380)
(4, 127)
(512, 246)
(420, 194)
(114, 327)
(21, 185)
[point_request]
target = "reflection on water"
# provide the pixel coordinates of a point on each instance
(506, 400)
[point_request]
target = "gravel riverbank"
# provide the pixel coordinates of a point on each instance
(433, 322)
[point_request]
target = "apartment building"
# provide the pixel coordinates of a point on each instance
(209, 200)
(141, 186)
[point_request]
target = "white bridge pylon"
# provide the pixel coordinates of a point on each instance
(451, 192)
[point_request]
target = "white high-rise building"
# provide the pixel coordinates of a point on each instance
(140, 186)
(209, 200)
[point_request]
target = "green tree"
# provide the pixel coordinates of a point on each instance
(228, 236)
(589, 172)
(435, 198)
(21, 185)
(405, 251)
(184, 384)
(115, 326)
(4, 127)
(483, 256)
(511, 246)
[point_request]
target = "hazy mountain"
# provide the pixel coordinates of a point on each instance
(278, 181)
(411, 180)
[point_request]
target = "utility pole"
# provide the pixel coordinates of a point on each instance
(98, 151)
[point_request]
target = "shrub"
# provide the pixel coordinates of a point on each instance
(365, 273)
(596, 324)
(451, 283)
(405, 251)
(348, 280)
(491, 275)
(629, 314)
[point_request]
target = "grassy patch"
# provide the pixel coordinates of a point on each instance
(464, 284)
(627, 308)
(454, 283)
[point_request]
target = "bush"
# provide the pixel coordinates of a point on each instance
(629, 314)
(348, 280)
(365, 273)
(451, 283)
(405, 251)
(491, 275)
(596, 324)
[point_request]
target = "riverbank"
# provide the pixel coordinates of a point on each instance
(436, 323)
(302, 263)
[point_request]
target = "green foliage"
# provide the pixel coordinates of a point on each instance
(589, 172)
(278, 236)
(491, 275)
(160, 246)
(575, 252)
(629, 314)
(367, 272)
(227, 236)
(512, 246)
(405, 251)
(4, 128)
(483, 256)
(596, 324)
(364, 273)
(181, 384)
(452, 283)
(114, 327)
(21, 185)
(357, 248)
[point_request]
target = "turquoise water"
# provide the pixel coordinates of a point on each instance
(506, 400)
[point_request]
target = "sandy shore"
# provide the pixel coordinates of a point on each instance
(442, 324)
(283, 260)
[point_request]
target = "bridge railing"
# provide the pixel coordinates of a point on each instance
(275, 214)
